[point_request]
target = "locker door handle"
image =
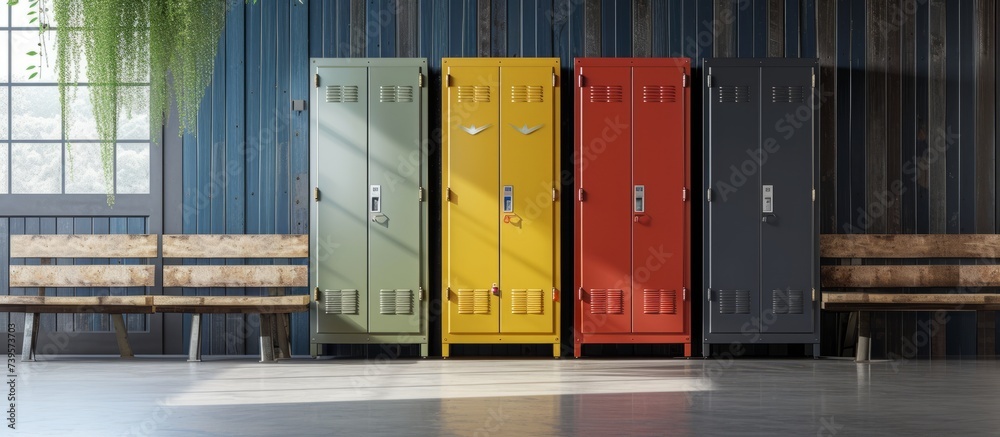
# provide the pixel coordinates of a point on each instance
(495, 290)
(769, 218)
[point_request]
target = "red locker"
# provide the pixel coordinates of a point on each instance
(632, 163)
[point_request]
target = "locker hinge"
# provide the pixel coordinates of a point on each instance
(316, 294)
(579, 81)
(708, 195)
(684, 194)
(579, 294)
(814, 194)
(316, 194)
(420, 80)
(555, 194)
(420, 293)
(708, 293)
(316, 80)
(420, 194)
(555, 80)
(684, 294)
(555, 294)
(814, 79)
(684, 81)
(447, 194)
(447, 293)
(814, 295)
(708, 81)
(579, 195)
(447, 80)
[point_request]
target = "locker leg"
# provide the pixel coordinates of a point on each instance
(816, 350)
(424, 350)
(577, 350)
(445, 350)
(314, 350)
(556, 350)
(705, 350)
(687, 350)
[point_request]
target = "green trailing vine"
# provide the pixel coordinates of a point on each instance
(171, 44)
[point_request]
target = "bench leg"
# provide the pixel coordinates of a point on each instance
(30, 336)
(284, 351)
(266, 338)
(194, 346)
(122, 334)
(863, 346)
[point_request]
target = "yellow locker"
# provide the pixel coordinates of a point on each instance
(500, 224)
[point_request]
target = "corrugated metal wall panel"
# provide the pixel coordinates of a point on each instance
(936, 64)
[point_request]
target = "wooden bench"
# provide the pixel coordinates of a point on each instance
(46, 275)
(273, 330)
(875, 279)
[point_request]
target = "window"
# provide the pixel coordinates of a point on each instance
(35, 155)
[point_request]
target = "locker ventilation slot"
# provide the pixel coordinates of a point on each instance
(787, 94)
(659, 94)
(606, 94)
(787, 302)
(526, 94)
(526, 301)
(341, 94)
(473, 301)
(340, 301)
(659, 301)
(397, 302)
(607, 301)
(734, 301)
(734, 94)
(395, 94)
(474, 94)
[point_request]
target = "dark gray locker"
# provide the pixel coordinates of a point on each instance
(761, 266)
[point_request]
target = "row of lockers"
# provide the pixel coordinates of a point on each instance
(501, 195)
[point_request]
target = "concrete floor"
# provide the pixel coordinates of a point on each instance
(464, 397)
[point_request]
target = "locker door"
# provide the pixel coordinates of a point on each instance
(472, 175)
(658, 227)
(787, 253)
(734, 210)
(604, 165)
(393, 204)
(527, 219)
(342, 155)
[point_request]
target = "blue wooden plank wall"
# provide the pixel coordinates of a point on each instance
(917, 75)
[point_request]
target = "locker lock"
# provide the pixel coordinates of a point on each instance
(495, 290)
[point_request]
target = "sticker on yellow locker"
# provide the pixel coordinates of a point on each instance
(527, 235)
(471, 175)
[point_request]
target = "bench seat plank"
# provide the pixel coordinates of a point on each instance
(83, 246)
(78, 304)
(231, 304)
(864, 301)
(83, 276)
(236, 276)
(909, 246)
(236, 246)
(911, 276)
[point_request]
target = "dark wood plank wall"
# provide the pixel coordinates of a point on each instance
(905, 139)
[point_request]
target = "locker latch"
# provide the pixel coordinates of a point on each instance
(420, 293)
(684, 80)
(316, 80)
(316, 194)
(555, 80)
(684, 294)
(447, 293)
(814, 294)
(708, 195)
(708, 294)
(447, 80)
(555, 294)
(555, 194)
(420, 80)
(684, 194)
(420, 194)
(447, 194)
(495, 290)
(579, 81)
(708, 81)
(579, 195)
(579, 295)
(316, 294)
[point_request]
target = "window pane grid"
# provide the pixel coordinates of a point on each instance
(33, 135)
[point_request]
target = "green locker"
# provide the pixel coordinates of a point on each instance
(368, 228)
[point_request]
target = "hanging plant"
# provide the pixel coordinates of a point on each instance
(125, 43)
